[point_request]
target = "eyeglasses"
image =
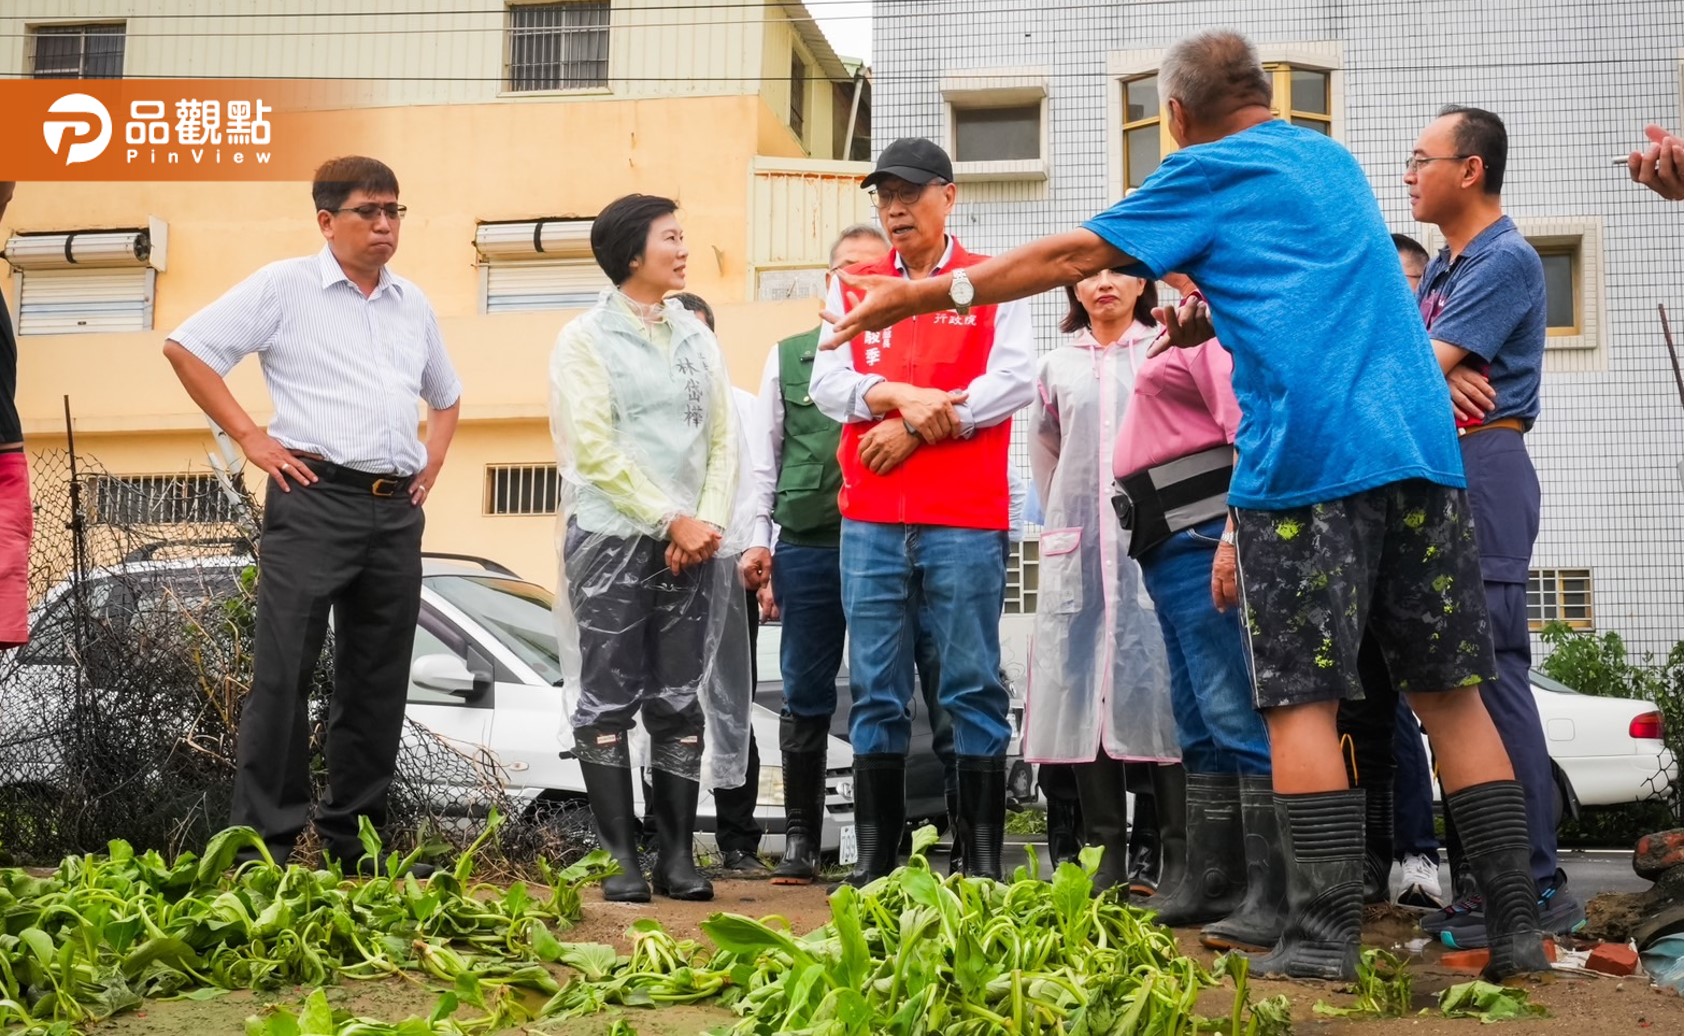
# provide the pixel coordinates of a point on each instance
(884, 197)
(393, 211)
(1412, 164)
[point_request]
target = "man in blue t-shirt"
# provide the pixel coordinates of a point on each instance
(1483, 301)
(1347, 499)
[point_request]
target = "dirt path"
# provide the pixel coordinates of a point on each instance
(1581, 1006)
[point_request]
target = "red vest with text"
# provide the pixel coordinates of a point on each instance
(957, 482)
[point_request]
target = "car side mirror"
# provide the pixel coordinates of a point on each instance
(450, 675)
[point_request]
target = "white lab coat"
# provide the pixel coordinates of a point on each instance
(1098, 675)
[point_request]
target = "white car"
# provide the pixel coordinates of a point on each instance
(484, 678)
(1603, 751)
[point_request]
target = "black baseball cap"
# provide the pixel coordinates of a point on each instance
(913, 159)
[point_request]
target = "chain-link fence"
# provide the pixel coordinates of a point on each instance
(119, 719)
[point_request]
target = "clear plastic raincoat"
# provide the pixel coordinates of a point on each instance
(1098, 675)
(643, 422)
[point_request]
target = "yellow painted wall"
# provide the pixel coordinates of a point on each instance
(697, 94)
(458, 165)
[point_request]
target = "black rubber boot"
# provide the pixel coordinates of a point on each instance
(1262, 916)
(1100, 790)
(1215, 880)
(678, 769)
(1493, 820)
(1064, 830)
(982, 780)
(1324, 887)
(1145, 859)
(1377, 841)
(880, 812)
(802, 743)
(956, 850)
(607, 769)
(1170, 804)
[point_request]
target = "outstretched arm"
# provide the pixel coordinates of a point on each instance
(1031, 269)
(1027, 270)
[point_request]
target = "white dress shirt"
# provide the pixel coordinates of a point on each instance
(767, 447)
(1006, 385)
(344, 370)
(752, 465)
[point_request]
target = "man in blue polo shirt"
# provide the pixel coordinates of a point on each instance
(1347, 498)
(1483, 301)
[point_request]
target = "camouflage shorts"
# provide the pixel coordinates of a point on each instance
(1399, 559)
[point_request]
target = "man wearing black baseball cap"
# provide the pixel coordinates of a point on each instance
(926, 407)
(914, 160)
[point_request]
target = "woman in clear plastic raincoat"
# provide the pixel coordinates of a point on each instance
(650, 618)
(1099, 683)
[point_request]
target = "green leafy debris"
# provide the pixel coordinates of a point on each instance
(1488, 1002)
(1382, 988)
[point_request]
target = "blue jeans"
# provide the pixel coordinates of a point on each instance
(897, 578)
(1210, 683)
(807, 587)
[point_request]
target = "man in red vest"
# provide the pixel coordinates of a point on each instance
(926, 407)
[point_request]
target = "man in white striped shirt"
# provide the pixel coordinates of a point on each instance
(346, 349)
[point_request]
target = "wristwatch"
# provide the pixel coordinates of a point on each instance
(962, 293)
(1227, 537)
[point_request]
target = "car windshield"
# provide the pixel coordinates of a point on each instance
(1545, 683)
(516, 613)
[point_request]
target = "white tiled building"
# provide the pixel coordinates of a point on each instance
(1050, 110)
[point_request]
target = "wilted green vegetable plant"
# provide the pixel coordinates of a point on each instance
(908, 955)
(1382, 987)
(104, 932)
(1488, 1002)
(914, 953)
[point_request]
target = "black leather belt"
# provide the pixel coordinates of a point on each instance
(369, 482)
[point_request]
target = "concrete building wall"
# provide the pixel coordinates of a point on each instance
(1574, 81)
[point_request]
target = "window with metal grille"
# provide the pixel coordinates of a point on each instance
(78, 51)
(514, 489)
(1559, 595)
(158, 500)
(561, 46)
(798, 95)
(1023, 577)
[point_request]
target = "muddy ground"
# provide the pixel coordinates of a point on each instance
(1579, 1005)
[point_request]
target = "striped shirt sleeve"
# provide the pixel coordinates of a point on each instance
(439, 384)
(245, 320)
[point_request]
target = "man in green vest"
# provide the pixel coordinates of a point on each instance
(797, 494)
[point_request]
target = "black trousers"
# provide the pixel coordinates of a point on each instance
(328, 547)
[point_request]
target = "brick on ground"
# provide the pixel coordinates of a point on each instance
(1613, 958)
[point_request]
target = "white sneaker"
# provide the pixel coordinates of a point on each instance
(1418, 886)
